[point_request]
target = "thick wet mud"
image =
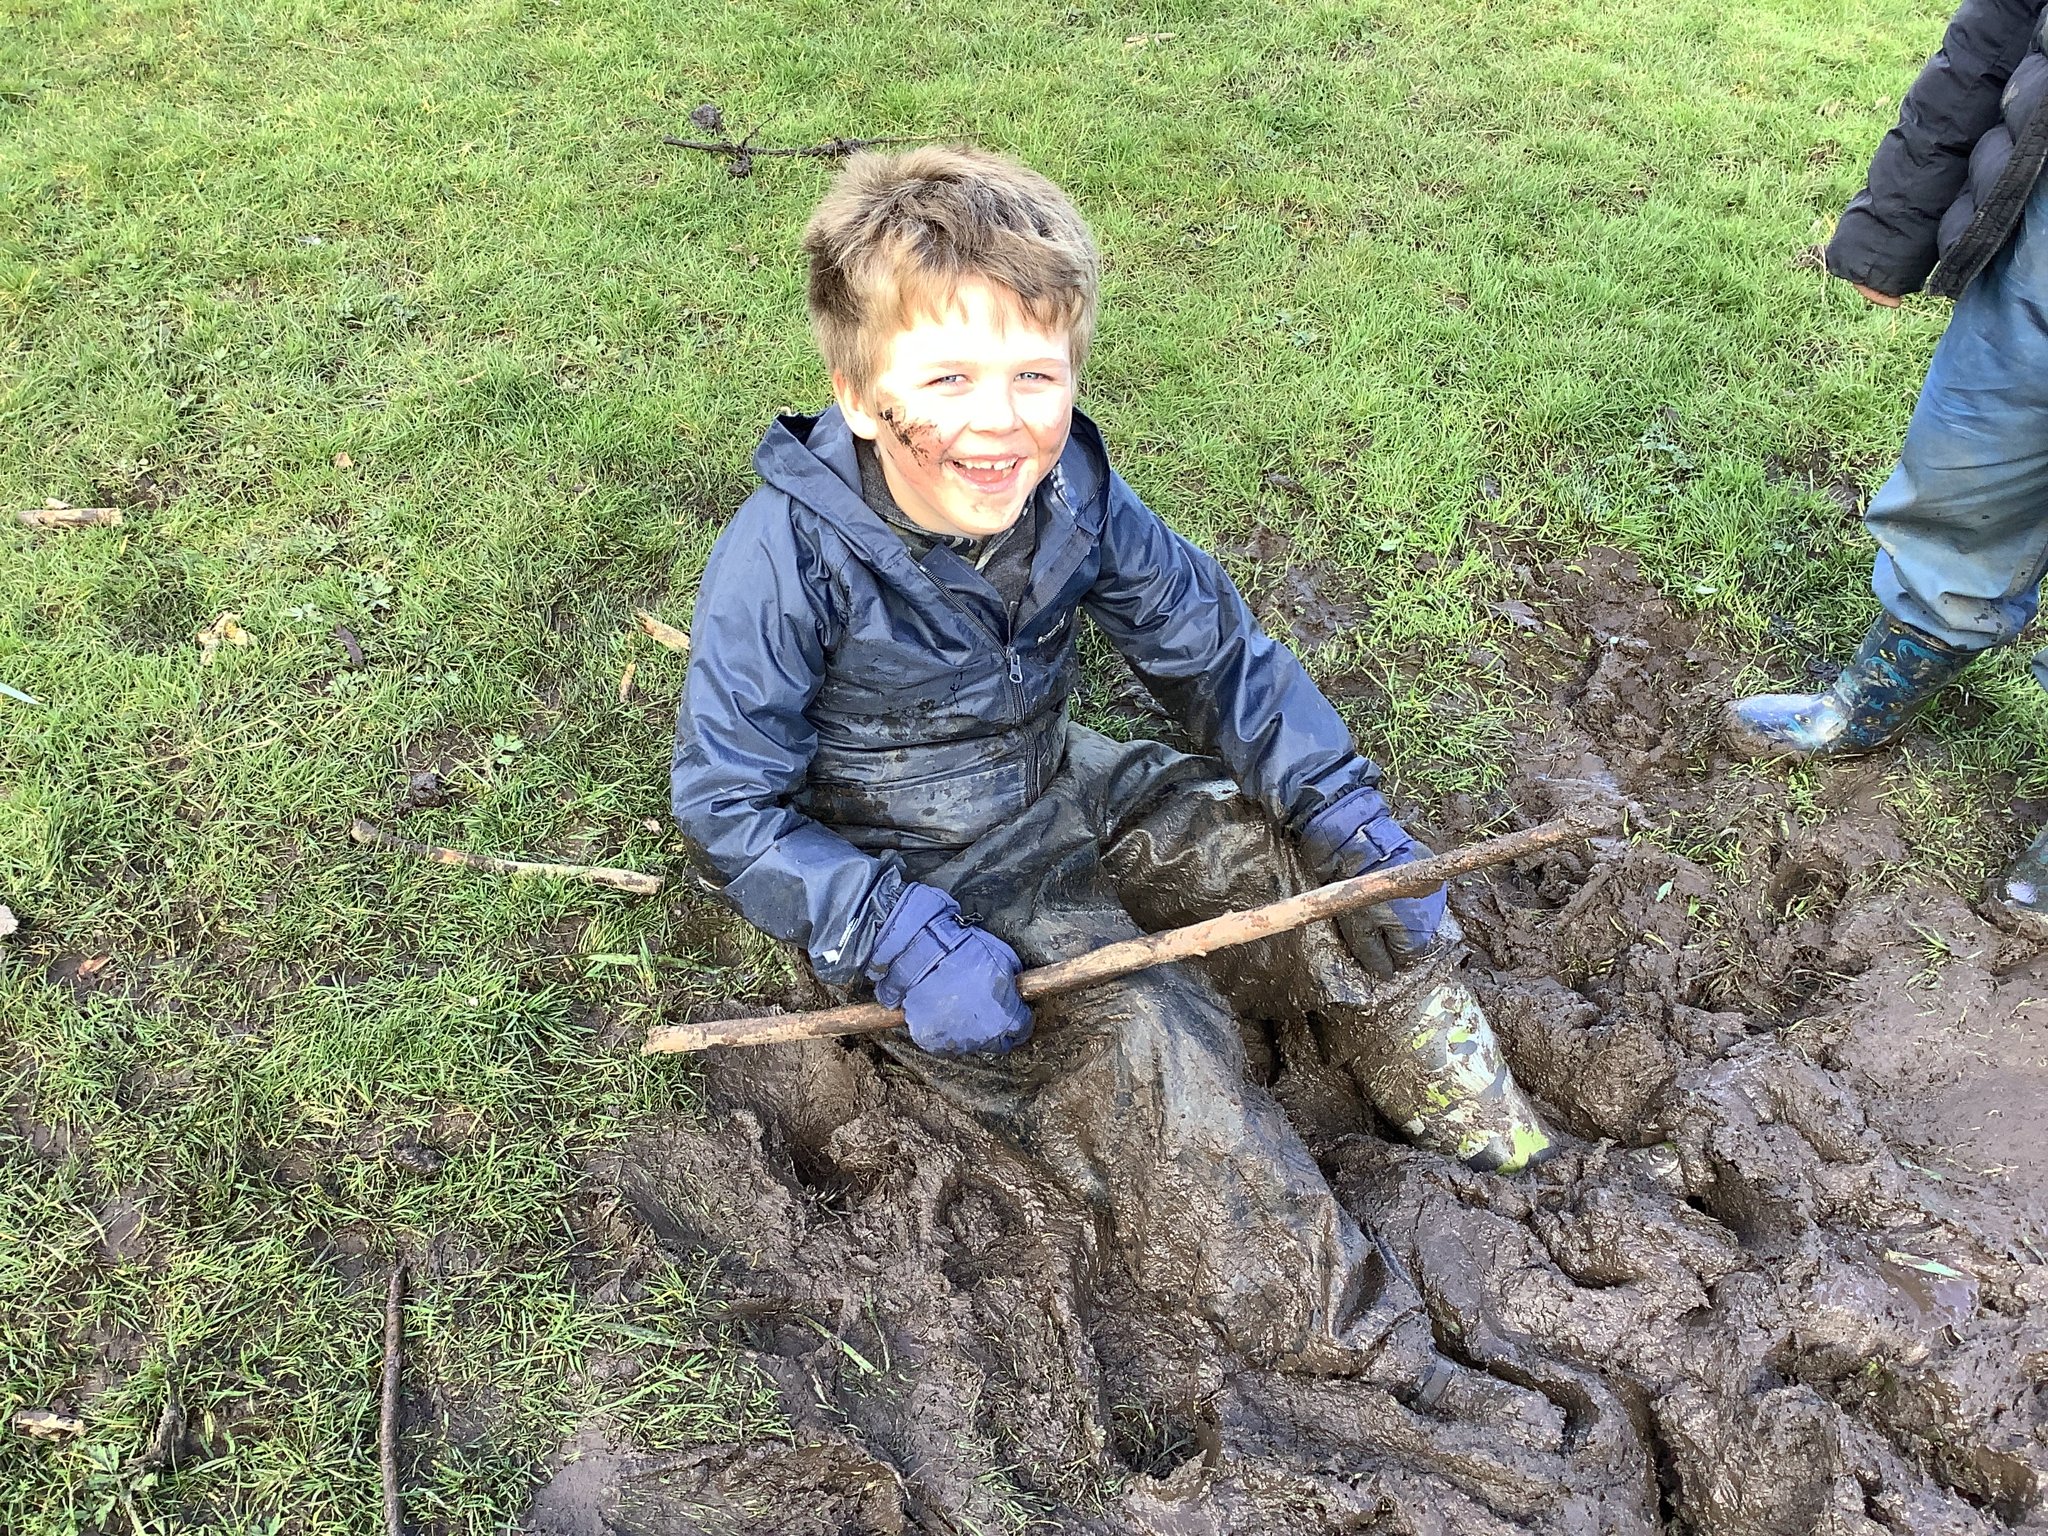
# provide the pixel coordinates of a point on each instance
(1787, 1277)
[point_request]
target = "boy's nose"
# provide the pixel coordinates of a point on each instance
(995, 409)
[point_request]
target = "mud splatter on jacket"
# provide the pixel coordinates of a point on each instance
(1948, 184)
(850, 705)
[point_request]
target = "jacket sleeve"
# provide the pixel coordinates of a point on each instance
(1172, 613)
(1887, 236)
(758, 642)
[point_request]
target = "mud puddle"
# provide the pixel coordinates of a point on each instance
(1789, 1278)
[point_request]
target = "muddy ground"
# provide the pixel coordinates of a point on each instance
(1789, 1276)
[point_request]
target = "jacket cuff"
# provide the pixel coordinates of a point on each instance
(1850, 256)
(1354, 773)
(910, 942)
(864, 932)
(1349, 823)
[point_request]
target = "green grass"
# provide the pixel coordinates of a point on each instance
(400, 317)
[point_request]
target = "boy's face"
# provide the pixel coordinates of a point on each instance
(968, 413)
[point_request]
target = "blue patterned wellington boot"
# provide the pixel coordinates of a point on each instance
(1895, 671)
(2023, 890)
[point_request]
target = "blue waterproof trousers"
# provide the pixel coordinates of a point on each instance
(1962, 524)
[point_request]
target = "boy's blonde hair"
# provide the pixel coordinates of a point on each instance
(897, 235)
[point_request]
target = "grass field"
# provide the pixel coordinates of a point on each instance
(402, 318)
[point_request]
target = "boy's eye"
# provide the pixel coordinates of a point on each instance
(946, 378)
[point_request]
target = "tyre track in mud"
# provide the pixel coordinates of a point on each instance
(1785, 1280)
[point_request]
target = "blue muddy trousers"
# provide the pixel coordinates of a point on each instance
(1962, 524)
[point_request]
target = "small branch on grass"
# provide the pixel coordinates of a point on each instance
(662, 634)
(740, 154)
(58, 515)
(162, 1450)
(590, 874)
(626, 681)
(387, 1415)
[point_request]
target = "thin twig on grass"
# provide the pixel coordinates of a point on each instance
(662, 634)
(826, 150)
(740, 154)
(387, 1415)
(58, 515)
(590, 874)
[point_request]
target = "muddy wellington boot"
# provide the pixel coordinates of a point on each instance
(1441, 1076)
(1895, 671)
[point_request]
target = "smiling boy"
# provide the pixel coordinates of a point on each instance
(874, 760)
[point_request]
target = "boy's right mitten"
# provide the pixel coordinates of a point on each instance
(956, 984)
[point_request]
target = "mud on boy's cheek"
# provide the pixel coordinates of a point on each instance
(919, 438)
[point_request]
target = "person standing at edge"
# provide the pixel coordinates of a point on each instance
(1956, 203)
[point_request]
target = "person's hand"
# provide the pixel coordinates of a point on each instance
(1887, 300)
(956, 985)
(1356, 834)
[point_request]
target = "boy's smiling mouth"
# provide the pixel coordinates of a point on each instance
(988, 476)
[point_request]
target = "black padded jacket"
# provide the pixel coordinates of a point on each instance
(1949, 183)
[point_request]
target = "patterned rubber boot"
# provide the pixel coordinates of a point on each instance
(1442, 1078)
(2023, 889)
(1895, 671)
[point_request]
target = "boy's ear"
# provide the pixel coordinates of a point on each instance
(857, 416)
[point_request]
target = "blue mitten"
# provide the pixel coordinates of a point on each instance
(1356, 834)
(956, 985)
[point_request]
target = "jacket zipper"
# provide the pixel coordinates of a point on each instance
(1014, 662)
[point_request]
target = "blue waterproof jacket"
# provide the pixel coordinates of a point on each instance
(850, 705)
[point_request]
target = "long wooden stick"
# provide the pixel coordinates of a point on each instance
(1121, 959)
(590, 874)
(387, 1406)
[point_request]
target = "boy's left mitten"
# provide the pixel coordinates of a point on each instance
(956, 984)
